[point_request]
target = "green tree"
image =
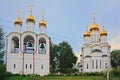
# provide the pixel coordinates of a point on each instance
(2, 65)
(1, 46)
(62, 57)
(53, 58)
(115, 58)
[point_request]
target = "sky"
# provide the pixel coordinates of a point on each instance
(66, 19)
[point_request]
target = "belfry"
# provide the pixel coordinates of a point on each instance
(28, 52)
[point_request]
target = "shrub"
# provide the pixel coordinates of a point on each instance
(7, 74)
(15, 74)
(115, 72)
(93, 74)
(2, 76)
(2, 68)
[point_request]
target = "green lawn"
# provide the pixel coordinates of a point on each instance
(59, 78)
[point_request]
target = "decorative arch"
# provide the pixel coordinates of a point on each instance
(96, 50)
(42, 46)
(15, 44)
(87, 56)
(29, 44)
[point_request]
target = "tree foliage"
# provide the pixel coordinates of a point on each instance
(2, 66)
(1, 45)
(62, 57)
(115, 58)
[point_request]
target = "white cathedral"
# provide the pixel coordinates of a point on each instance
(96, 50)
(28, 52)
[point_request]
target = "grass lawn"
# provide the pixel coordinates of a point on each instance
(58, 78)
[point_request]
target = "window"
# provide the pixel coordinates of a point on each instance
(15, 45)
(30, 66)
(105, 65)
(96, 64)
(14, 66)
(87, 65)
(100, 64)
(42, 66)
(42, 46)
(26, 66)
(29, 44)
(92, 64)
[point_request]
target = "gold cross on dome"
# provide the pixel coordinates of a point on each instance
(42, 15)
(94, 16)
(87, 26)
(103, 24)
(31, 7)
(18, 11)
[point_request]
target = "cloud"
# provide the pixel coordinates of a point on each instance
(115, 42)
(77, 54)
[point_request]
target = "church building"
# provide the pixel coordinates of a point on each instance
(28, 52)
(96, 49)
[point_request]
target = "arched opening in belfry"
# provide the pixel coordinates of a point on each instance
(15, 45)
(42, 46)
(29, 44)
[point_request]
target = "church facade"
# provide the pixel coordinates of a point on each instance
(28, 52)
(96, 50)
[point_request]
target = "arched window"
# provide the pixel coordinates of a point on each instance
(42, 46)
(92, 64)
(87, 65)
(15, 45)
(28, 44)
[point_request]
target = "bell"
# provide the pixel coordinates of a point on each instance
(42, 45)
(30, 44)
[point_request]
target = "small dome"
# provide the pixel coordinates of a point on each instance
(94, 27)
(30, 18)
(42, 22)
(87, 33)
(103, 32)
(18, 21)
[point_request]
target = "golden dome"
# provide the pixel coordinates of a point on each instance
(94, 27)
(42, 22)
(87, 33)
(18, 21)
(30, 18)
(103, 32)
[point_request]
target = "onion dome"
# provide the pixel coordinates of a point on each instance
(87, 33)
(30, 18)
(42, 22)
(103, 32)
(94, 27)
(18, 21)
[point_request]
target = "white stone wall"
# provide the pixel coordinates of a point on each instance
(22, 62)
(30, 26)
(18, 28)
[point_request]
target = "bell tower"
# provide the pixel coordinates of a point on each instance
(18, 23)
(42, 25)
(28, 52)
(30, 21)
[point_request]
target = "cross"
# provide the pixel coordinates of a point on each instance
(94, 16)
(31, 7)
(42, 15)
(18, 11)
(87, 26)
(103, 24)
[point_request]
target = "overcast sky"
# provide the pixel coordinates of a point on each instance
(66, 19)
